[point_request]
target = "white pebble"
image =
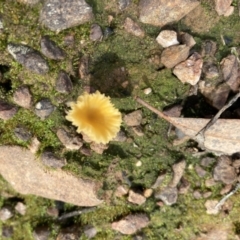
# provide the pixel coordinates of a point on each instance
(167, 38)
(147, 91)
(138, 164)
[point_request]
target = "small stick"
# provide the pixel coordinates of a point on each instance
(75, 213)
(200, 134)
(221, 202)
(160, 114)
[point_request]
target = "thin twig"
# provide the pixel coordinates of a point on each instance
(75, 213)
(200, 134)
(221, 202)
(159, 113)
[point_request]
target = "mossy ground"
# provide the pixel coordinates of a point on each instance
(183, 220)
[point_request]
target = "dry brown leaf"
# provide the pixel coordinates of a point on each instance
(28, 176)
(223, 137)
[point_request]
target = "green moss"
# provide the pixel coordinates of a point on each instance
(131, 55)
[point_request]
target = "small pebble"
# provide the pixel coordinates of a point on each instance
(21, 208)
(108, 32)
(200, 171)
(7, 231)
(167, 38)
(138, 131)
(121, 191)
(226, 189)
(211, 207)
(147, 91)
(22, 134)
(98, 147)
(96, 33)
(138, 164)
(197, 194)
(69, 141)
(133, 118)
(207, 194)
(147, 192)
(90, 231)
(7, 110)
(50, 160)
(50, 49)
(23, 97)
(136, 198)
(44, 108)
(63, 83)
(5, 214)
(34, 145)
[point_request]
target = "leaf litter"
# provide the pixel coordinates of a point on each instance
(220, 136)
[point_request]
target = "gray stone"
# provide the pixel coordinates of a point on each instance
(173, 111)
(50, 160)
(224, 172)
(200, 171)
(86, 151)
(136, 198)
(138, 130)
(96, 33)
(69, 40)
(64, 83)
(131, 224)
(69, 141)
(7, 231)
(121, 137)
(131, 27)
(209, 48)
(41, 233)
(187, 39)
(5, 213)
(173, 55)
(190, 70)
(62, 14)
(123, 4)
(167, 38)
(216, 96)
(27, 176)
(162, 12)
(211, 207)
(21, 208)
(168, 195)
(133, 118)
(210, 182)
(222, 6)
(210, 70)
(22, 133)
(90, 231)
(230, 66)
(98, 147)
(84, 67)
(197, 194)
(207, 194)
(28, 57)
(44, 108)
(23, 97)
(184, 186)
(178, 170)
(70, 233)
(7, 110)
(50, 49)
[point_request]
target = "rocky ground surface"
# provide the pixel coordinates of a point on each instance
(180, 56)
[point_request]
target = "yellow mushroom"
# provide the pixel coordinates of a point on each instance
(95, 115)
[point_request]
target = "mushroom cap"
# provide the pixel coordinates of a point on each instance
(95, 115)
